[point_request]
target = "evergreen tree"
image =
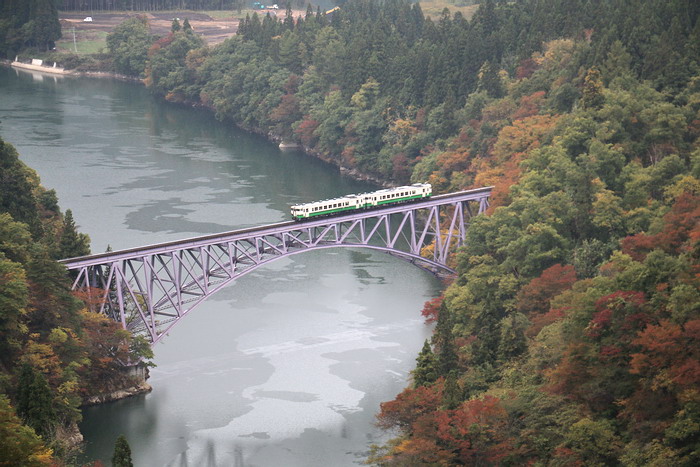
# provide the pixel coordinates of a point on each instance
(16, 192)
(34, 401)
(443, 340)
(453, 394)
(122, 453)
(186, 26)
(592, 97)
(72, 243)
(490, 80)
(175, 26)
(426, 371)
(43, 28)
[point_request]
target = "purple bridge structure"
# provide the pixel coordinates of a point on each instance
(150, 288)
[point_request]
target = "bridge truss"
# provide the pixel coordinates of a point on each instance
(149, 289)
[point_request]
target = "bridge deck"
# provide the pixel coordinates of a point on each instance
(100, 258)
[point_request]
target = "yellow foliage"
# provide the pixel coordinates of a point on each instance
(687, 184)
(557, 53)
(43, 358)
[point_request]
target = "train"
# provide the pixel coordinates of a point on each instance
(347, 203)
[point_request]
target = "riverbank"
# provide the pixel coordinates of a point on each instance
(68, 73)
(271, 136)
(119, 394)
(38, 65)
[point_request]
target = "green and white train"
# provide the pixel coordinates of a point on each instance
(328, 207)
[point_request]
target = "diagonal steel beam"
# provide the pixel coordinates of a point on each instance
(146, 283)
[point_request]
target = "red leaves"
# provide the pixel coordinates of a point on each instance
(670, 352)
(526, 68)
(431, 309)
(409, 405)
(474, 433)
(625, 308)
(305, 131)
(535, 296)
(681, 231)
(569, 378)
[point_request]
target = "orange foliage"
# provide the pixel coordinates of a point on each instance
(514, 142)
(92, 297)
(529, 105)
(453, 161)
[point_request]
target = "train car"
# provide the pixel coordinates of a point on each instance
(400, 194)
(347, 203)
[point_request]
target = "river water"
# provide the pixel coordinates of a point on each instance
(286, 366)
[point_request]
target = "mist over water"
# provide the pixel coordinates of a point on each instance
(286, 366)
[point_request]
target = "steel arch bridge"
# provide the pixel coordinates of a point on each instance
(149, 289)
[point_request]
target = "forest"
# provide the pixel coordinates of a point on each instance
(55, 352)
(571, 332)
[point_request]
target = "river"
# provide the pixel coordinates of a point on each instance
(286, 366)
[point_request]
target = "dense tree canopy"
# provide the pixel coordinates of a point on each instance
(28, 23)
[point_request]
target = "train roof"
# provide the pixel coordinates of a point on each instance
(351, 196)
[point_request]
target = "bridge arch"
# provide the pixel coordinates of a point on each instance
(150, 289)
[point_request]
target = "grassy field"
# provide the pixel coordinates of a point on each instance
(86, 41)
(433, 8)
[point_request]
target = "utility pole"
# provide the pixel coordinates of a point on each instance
(75, 46)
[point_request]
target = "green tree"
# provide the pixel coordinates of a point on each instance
(490, 80)
(426, 371)
(43, 28)
(72, 242)
(34, 401)
(453, 395)
(20, 445)
(444, 342)
(129, 43)
(595, 442)
(13, 303)
(592, 97)
(122, 453)
(15, 239)
(17, 182)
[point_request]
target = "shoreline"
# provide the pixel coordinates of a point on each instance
(27, 67)
(272, 137)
